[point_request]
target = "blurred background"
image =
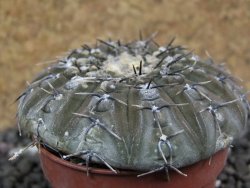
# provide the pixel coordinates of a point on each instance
(36, 31)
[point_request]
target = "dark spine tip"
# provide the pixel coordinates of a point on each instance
(140, 70)
(149, 84)
(134, 70)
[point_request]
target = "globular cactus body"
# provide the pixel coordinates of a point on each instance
(134, 106)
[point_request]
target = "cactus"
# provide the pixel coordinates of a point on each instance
(136, 106)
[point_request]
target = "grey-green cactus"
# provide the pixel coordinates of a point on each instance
(135, 106)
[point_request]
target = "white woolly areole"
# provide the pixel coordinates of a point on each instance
(123, 65)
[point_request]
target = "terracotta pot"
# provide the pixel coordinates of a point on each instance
(64, 174)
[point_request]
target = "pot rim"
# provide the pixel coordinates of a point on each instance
(77, 167)
(104, 171)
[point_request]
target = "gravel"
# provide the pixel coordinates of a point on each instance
(25, 171)
(236, 173)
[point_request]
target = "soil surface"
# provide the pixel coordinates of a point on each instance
(34, 31)
(25, 171)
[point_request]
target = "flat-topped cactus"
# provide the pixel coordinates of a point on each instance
(134, 106)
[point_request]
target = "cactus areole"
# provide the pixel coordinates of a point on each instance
(136, 106)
